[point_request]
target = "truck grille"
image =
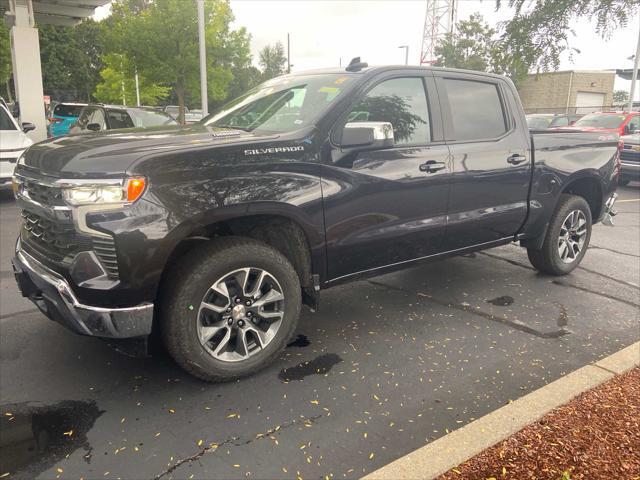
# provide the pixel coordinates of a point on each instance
(43, 194)
(58, 243)
(627, 155)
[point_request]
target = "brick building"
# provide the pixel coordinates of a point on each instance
(571, 91)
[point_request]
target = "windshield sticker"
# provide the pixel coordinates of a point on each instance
(341, 80)
(261, 151)
(329, 90)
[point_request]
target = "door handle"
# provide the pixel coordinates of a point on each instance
(432, 166)
(516, 159)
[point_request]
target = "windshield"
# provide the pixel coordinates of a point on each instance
(281, 105)
(539, 122)
(601, 120)
(150, 118)
(5, 120)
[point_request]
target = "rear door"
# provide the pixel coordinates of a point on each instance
(388, 206)
(489, 144)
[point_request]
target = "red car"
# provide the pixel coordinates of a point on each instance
(622, 123)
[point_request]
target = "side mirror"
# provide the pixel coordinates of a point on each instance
(367, 135)
(94, 127)
(27, 127)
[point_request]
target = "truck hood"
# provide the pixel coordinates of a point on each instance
(109, 154)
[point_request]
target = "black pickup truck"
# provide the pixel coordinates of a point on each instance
(212, 237)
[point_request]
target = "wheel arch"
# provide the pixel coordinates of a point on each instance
(288, 231)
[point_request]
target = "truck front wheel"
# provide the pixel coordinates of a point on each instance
(229, 308)
(567, 237)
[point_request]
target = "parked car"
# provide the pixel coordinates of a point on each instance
(621, 123)
(630, 159)
(174, 110)
(62, 117)
(214, 235)
(193, 116)
(96, 118)
(13, 142)
(542, 121)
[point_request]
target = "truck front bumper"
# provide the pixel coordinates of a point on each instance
(53, 295)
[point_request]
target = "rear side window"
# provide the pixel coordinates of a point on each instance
(403, 103)
(64, 110)
(119, 119)
(476, 109)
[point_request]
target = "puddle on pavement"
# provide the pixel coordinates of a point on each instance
(503, 301)
(300, 341)
(318, 366)
(36, 438)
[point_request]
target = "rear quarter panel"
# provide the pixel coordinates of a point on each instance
(561, 158)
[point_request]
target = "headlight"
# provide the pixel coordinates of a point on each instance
(96, 194)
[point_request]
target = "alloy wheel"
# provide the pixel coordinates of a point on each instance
(240, 314)
(573, 235)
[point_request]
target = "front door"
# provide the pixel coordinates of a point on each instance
(491, 168)
(388, 206)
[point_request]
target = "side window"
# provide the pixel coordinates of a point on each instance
(476, 109)
(83, 119)
(633, 125)
(98, 117)
(119, 119)
(561, 122)
(403, 103)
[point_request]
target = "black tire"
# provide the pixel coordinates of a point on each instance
(547, 259)
(623, 182)
(189, 282)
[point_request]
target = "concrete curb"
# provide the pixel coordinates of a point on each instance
(453, 449)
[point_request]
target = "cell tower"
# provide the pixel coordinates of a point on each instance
(439, 20)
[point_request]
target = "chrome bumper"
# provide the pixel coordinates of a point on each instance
(609, 212)
(54, 297)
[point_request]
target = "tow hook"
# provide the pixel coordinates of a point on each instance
(609, 212)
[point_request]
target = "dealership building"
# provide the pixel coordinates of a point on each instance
(569, 91)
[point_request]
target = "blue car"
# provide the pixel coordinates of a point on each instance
(63, 116)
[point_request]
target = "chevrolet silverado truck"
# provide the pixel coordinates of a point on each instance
(211, 237)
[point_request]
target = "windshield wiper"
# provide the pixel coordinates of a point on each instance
(244, 129)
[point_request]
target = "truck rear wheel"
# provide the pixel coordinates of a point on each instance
(567, 237)
(229, 308)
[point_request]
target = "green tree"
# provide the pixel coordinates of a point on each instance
(161, 39)
(5, 58)
(71, 59)
(272, 61)
(620, 97)
(471, 46)
(540, 31)
(118, 84)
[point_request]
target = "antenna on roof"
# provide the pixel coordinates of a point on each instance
(355, 65)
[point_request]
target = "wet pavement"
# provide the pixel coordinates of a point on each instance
(386, 365)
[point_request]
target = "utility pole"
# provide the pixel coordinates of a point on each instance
(203, 59)
(406, 53)
(634, 74)
(288, 55)
(137, 89)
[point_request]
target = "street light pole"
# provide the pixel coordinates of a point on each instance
(406, 53)
(634, 74)
(137, 89)
(203, 59)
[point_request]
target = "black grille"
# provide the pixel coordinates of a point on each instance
(105, 249)
(629, 156)
(43, 194)
(52, 240)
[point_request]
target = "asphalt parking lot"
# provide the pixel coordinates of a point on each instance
(387, 365)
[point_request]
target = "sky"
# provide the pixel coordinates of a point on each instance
(324, 33)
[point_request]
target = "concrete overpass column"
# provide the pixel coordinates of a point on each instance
(27, 72)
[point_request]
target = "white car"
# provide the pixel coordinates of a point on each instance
(13, 142)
